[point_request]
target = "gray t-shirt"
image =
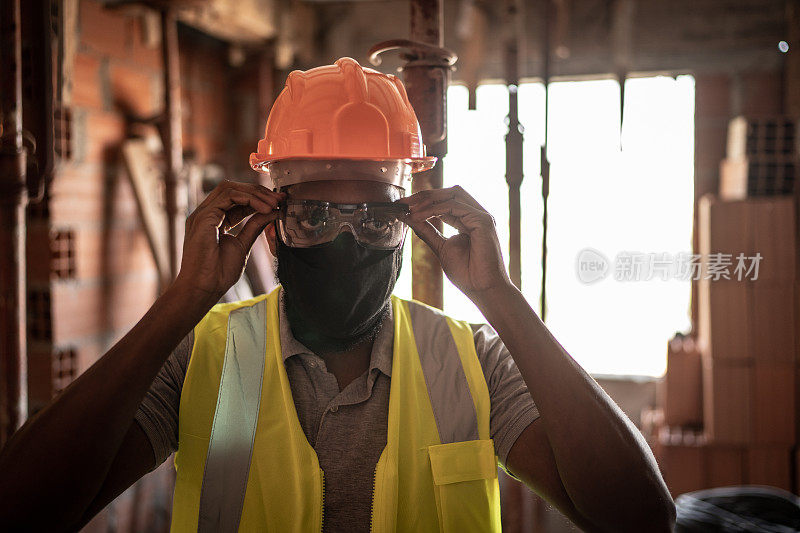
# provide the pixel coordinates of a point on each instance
(347, 428)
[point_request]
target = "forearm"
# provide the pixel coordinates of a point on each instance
(604, 463)
(62, 455)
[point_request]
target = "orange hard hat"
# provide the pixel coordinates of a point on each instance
(342, 112)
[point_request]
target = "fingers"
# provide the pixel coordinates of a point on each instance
(253, 228)
(230, 203)
(429, 234)
(423, 199)
(455, 222)
(235, 196)
(251, 188)
(464, 217)
(235, 215)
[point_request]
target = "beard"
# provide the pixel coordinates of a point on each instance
(336, 295)
(321, 344)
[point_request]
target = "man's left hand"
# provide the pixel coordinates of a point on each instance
(472, 258)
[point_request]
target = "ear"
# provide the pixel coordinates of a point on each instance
(269, 233)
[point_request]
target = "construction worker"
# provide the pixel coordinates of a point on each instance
(329, 404)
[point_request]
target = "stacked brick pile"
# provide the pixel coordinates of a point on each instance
(761, 157)
(727, 404)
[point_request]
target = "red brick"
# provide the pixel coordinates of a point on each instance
(712, 95)
(724, 329)
(104, 31)
(208, 148)
(206, 112)
(774, 403)
(725, 227)
(762, 93)
(748, 319)
(681, 390)
(100, 136)
(87, 89)
(727, 401)
(733, 179)
(133, 91)
(115, 252)
(769, 466)
(724, 466)
(772, 323)
(86, 310)
(141, 55)
(773, 230)
(77, 195)
(683, 467)
(81, 195)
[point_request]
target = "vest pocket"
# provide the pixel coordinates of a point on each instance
(465, 484)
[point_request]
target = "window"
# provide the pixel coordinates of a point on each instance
(637, 199)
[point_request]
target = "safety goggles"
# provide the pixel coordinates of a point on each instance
(306, 223)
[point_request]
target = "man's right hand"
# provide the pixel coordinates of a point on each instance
(85, 443)
(213, 260)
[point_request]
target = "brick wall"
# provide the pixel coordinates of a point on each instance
(116, 76)
(91, 272)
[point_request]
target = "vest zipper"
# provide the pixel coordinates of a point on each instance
(374, 486)
(322, 518)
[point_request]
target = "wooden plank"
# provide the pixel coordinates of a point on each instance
(145, 177)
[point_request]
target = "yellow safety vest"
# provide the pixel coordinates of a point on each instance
(244, 463)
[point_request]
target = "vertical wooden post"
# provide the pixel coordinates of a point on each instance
(427, 92)
(13, 199)
(173, 143)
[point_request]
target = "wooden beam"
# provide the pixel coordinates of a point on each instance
(13, 199)
(172, 137)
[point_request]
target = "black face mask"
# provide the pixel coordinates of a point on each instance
(336, 295)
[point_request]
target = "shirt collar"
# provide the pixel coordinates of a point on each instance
(382, 349)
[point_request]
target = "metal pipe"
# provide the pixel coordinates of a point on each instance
(427, 22)
(426, 85)
(13, 199)
(514, 144)
(172, 138)
(545, 162)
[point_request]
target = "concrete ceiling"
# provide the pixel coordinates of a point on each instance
(601, 36)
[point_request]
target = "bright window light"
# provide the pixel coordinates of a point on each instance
(636, 200)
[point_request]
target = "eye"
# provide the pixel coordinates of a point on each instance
(315, 220)
(378, 225)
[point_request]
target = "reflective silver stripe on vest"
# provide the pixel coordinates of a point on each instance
(233, 431)
(446, 381)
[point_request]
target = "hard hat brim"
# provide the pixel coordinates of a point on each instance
(260, 163)
(289, 171)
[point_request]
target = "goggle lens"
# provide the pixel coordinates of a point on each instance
(306, 223)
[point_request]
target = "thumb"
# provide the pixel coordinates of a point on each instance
(429, 234)
(253, 228)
